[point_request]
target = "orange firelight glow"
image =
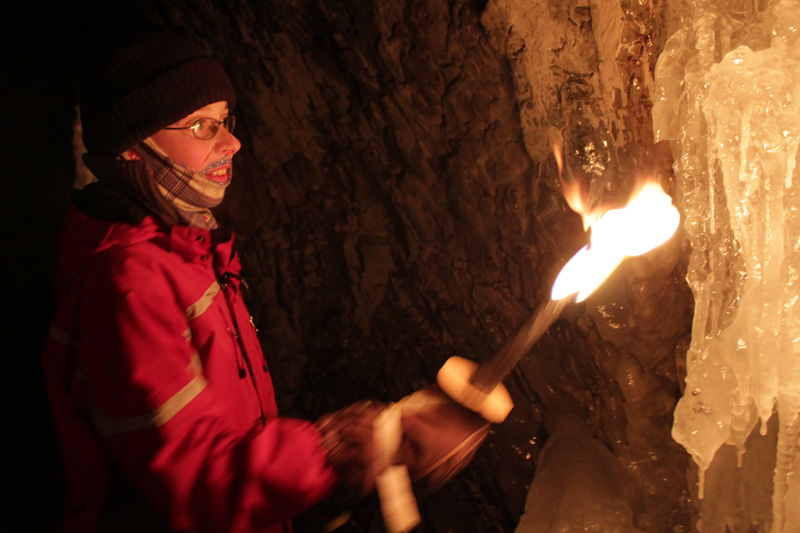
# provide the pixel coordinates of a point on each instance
(647, 221)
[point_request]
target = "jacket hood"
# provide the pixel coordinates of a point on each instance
(82, 237)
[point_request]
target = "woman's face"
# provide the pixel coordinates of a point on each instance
(210, 158)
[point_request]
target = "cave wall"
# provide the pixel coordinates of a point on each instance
(397, 203)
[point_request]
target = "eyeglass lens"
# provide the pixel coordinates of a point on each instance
(207, 128)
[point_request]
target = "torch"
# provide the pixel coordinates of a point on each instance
(648, 220)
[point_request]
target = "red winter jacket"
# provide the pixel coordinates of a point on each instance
(153, 366)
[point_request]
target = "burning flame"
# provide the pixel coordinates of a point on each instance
(647, 221)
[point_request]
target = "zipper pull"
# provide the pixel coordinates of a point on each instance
(239, 355)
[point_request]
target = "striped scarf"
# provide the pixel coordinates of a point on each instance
(191, 195)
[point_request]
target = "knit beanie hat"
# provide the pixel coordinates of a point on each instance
(134, 90)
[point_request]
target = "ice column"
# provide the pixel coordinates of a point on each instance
(728, 100)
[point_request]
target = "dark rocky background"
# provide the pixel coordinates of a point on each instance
(397, 203)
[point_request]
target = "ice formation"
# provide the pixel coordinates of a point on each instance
(729, 103)
(579, 485)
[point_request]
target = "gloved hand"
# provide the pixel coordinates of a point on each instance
(347, 436)
(435, 438)
(440, 437)
(425, 438)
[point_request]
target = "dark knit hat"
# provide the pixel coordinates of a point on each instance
(144, 85)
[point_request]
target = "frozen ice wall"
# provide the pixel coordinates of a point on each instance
(579, 484)
(728, 100)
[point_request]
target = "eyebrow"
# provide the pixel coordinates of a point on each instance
(197, 115)
(191, 119)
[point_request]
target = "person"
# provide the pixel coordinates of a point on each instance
(162, 398)
(161, 395)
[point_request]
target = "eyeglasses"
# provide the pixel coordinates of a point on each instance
(206, 128)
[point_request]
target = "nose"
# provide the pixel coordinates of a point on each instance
(227, 143)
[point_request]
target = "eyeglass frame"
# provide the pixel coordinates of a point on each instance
(228, 122)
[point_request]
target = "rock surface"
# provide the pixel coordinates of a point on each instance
(398, 203)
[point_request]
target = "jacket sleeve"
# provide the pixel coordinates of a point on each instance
(168, 426)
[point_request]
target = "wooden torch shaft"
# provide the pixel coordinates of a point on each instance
(493, 371)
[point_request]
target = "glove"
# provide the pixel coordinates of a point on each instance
(425, 438)
(435, 438)
(440, 437)
(347, 436)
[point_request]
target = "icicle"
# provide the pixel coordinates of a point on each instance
(738, 131)
(791, 163)
(701, 484)
(788, 435)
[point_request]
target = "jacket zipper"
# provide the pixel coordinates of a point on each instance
(241, 353)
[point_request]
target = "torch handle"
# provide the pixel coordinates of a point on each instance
(480, 388)
(493, 371)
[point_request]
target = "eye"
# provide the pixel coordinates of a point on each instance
(205, 128)
(229, 123)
